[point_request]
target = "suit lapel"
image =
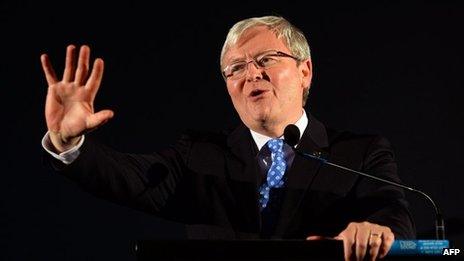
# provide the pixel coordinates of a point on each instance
(244, 175)
(302, 172)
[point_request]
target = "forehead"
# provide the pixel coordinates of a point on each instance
(254, 41)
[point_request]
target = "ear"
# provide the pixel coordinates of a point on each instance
(306, 73)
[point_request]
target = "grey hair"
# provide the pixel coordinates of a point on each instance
(293, 37)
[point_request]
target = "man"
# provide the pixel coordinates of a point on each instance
(246, 183)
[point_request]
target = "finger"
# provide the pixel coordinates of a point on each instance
(93, 83)
(99, 118)
(387, 241)
(68, 74)
(348, 244)
(48, 69)
(362, 242)
(375, 241)
(82, 65)
(348, 236)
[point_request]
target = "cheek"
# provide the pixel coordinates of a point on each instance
(234, 90)
(286, 82)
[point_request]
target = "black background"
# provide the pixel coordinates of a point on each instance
(390, 69)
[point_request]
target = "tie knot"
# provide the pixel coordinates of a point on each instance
(275, 145)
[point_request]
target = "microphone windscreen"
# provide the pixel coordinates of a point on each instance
(291, 135)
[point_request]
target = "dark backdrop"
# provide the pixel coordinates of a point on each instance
(391, 69)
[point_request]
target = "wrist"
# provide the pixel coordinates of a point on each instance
(61, 143)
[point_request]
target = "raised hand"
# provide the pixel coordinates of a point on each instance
(69, 109)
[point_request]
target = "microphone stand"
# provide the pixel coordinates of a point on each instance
(439, 222)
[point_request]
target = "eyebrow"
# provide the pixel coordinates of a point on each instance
(257, 54)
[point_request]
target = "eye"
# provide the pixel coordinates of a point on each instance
(237, 67)
(267, 60)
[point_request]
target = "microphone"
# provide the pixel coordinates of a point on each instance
(292, 136)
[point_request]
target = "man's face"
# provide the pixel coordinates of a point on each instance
(267, 97)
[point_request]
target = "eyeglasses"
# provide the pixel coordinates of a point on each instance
(266, 60)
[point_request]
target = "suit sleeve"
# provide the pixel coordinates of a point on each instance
(382, 203)
(154, 183)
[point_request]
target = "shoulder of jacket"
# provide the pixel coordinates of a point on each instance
(346, 137)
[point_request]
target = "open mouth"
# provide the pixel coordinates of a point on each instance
(256, 93)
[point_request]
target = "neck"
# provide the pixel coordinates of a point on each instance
(274, 129)
(270, 131)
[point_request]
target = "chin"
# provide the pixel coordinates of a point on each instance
(261, 110)
(265, 120)
(261, 114)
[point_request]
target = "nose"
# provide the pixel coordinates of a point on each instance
(253, 73)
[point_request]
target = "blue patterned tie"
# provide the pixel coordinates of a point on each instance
(276, 171)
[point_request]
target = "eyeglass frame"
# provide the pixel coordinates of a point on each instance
(256, 62)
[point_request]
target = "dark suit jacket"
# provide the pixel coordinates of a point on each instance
(210, 183)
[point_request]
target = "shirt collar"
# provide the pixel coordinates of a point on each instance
(261, 139)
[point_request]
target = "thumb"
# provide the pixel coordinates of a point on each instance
(340, 236)
(315, 237)
(97, 119)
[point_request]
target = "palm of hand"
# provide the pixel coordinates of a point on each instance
(68, 109)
